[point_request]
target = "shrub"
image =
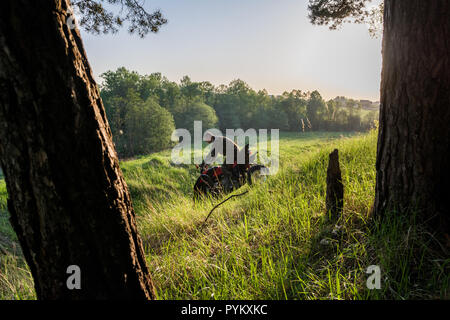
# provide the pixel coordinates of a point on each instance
(196, 111)
(148, 128)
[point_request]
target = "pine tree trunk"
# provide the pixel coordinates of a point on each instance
(414, 134)
(68, 201)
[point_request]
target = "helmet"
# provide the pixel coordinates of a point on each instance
(208, 137)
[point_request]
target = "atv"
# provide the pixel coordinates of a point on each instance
(214, 181)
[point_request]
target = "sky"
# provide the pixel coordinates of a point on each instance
(270, 44)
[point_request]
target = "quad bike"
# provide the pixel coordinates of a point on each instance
(214, 181)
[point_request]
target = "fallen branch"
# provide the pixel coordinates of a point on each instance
(234, 195)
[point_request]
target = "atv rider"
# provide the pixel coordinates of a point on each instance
(230, 151)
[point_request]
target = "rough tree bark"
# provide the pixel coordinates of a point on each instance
(335, 188)
(414, 135)
(68, 201)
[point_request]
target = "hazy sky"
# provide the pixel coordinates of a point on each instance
(267, 43)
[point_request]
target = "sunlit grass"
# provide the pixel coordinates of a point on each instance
(274, 242)
(262, 245)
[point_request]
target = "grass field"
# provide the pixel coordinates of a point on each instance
(274, 242)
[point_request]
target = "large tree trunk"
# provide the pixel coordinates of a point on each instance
(414, 134)
(68, 201)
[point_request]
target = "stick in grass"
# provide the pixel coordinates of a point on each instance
(217, 205)
(335, 188)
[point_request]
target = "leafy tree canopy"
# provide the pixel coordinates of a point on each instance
(130, 100)
(196, 111)
(98, 17)
(333, 13)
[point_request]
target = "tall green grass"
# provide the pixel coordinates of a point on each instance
(265, 245)
(16, 281)
(275, 242)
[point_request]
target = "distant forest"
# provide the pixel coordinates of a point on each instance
(143, 110)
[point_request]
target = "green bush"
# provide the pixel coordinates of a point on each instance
(196, 111)
(148, 128)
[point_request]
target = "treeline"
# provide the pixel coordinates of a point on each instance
(143, 110)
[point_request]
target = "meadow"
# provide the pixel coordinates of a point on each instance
(275, 242)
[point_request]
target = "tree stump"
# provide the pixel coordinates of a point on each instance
(335, 188)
